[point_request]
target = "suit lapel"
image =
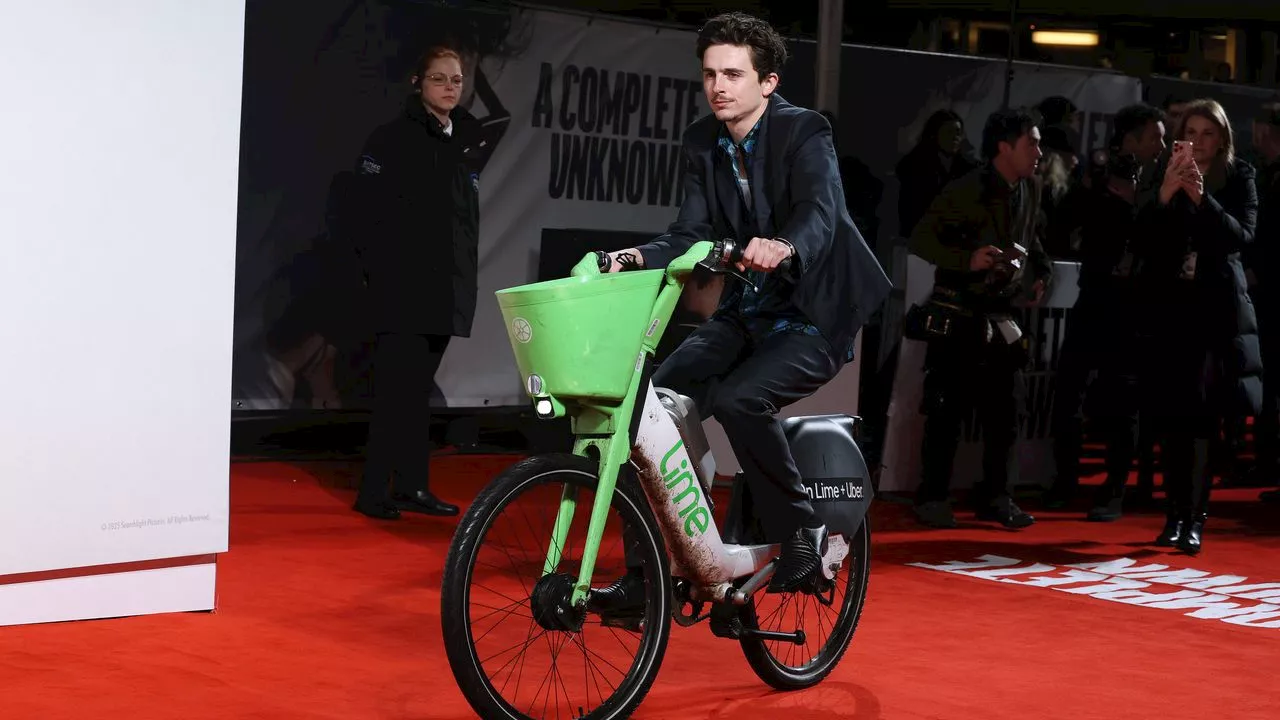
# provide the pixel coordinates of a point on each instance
(760, 206)
(726, 189)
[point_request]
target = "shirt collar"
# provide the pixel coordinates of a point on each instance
(748, 143)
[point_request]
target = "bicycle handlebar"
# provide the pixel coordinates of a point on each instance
(730, 254)
(724, 255)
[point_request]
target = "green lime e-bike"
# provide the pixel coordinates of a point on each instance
(520, 632)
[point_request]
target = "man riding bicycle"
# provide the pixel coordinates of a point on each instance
(763, 172)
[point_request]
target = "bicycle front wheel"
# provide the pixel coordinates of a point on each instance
(515, 646)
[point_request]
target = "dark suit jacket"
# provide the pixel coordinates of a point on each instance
(796, 196)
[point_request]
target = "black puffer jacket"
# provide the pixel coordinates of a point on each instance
(1203, 321)
(416, 224)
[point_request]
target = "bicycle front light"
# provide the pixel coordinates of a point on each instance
(544, 406)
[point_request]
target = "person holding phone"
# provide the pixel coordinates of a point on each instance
(1205, 364)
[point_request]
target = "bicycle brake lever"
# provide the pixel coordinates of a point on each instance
(743, 278)
(715, 269)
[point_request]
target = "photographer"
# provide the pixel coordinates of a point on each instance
(981, 235)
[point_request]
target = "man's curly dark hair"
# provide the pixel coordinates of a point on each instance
(768, 51)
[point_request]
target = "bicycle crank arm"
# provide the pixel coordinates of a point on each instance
(757, 581)
(796, 637)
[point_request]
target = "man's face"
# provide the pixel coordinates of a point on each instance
(1024, 154)
(1146, 145)
(732, 84)
(1266, 140)
(1152, 145)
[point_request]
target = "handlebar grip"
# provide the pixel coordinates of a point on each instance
(732, 254)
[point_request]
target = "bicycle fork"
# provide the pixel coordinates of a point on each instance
(614, 451)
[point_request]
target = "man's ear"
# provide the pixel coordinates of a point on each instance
(769, 84)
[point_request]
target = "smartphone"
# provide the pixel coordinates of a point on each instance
(1181, 146)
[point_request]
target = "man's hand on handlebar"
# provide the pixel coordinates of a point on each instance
(765, 254)
(628, 259)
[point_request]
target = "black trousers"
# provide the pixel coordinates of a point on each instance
(1096, 342)
(742, 375)
(1184, 398)
(965, 373)
(398, 452)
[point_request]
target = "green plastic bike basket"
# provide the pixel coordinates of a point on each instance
(580, 335)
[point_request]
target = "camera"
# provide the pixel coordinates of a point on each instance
(1124, 166)
(1005, 278)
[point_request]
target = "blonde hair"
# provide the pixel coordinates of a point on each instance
(1212, 111)
(1056, 175)
(431, 55)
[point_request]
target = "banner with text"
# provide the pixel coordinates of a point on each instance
(587, 114)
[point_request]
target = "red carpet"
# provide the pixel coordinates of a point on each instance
(326, 614)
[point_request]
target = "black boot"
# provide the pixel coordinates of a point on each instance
(1189, 543)
(801, 557)
(622, 597)
(1174, 526)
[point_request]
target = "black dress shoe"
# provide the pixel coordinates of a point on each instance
(801, 557)
(1006, 512)
(622, 597)
(1105, 510)
(423, 502)
(1189, 543)
(1172, 532)
(376, 509)
(935, 514)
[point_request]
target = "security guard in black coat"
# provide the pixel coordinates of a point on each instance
(417, 230)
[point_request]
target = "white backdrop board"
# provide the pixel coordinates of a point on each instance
(118, 226)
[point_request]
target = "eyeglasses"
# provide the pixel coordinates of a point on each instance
(442, 79)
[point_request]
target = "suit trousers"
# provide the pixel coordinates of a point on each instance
(742, 373)
(398, 455)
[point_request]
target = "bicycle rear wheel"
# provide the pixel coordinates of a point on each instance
(786, 666)
(487, 576)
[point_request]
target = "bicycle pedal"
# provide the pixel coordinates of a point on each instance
(726, 621)
(634, 623)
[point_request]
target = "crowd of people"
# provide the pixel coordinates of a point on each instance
(1176, 236)
(1175, 231)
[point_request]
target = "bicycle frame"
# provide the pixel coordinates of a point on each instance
(662, 464)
